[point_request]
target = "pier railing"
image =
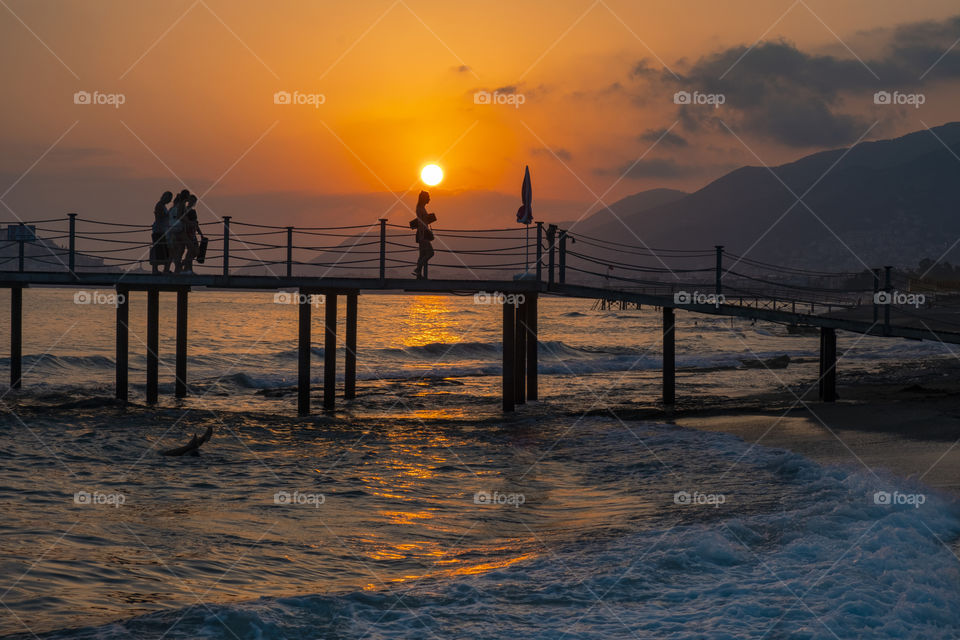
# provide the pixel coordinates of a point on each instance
(545, 253)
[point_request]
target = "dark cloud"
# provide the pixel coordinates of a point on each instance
(462, 69)
(666, 138)
(510, 88)
(561, 153)
(805, 99)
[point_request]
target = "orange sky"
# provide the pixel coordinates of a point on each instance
(398, 79)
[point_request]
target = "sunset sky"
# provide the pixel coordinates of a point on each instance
(595, 81)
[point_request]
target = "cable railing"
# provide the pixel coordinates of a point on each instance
(386, 250)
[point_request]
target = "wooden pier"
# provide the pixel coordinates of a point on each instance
(548, 276)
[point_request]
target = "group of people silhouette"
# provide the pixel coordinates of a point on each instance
(175, 234)
(178, 240)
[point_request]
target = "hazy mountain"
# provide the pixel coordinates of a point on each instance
(884, 202)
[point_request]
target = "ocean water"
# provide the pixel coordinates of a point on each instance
(419, 510)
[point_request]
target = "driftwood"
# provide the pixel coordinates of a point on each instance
(191, 448)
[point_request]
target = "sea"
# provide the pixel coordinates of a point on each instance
(419, 509)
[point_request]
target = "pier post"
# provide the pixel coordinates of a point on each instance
(509, 353)
(563, 256)
(153, 343)
(16, 337)
(350, 351)
(876, 290)
(888, 287)
(532, 346)
(303, 354)
(72, 259)
(539, 251)
(383, 248)
(828, 364)
(669, 358)
(122, 359)
(289, 252)
(180, 386)
(20, 255)
(330, 351)
(520, 361)
(226, 246)
(551, 245)
(718, 286)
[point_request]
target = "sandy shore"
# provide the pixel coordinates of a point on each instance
(910, 427)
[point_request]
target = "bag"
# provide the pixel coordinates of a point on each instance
(202, 251)
(413, 223)
(428, 234)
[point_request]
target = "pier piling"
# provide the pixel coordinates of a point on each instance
(509, 353)
(122, 359)
(303, 354)
(330, 352)
(153, 343)
(669, 358)
(350, 351)
(180, 387)
(532, 347)
(16, 337)
(520, 360)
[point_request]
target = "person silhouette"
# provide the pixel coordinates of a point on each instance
(424, 235)
(159, 249)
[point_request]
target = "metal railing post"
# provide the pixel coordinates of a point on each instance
(20, 254)
(383, 248)
(551, 244)
(539, 251)
(73, 241)
(719, 248)
(289, 252)
(226, 246)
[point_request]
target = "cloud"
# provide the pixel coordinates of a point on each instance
(666, 138)
(561, 153)
(808, 99)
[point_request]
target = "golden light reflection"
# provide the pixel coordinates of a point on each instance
(428, 320)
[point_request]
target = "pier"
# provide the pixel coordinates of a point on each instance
(343, 264)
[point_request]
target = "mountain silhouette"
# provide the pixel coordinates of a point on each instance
(887, 202)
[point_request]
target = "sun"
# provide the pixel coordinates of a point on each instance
(431, 174)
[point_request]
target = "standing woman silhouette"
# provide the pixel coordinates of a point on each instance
(424, 235)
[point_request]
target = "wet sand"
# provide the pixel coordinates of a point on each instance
(910, 427)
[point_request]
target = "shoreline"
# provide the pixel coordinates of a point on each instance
(909, 426)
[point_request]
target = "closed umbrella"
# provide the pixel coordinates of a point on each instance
(525, 212)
